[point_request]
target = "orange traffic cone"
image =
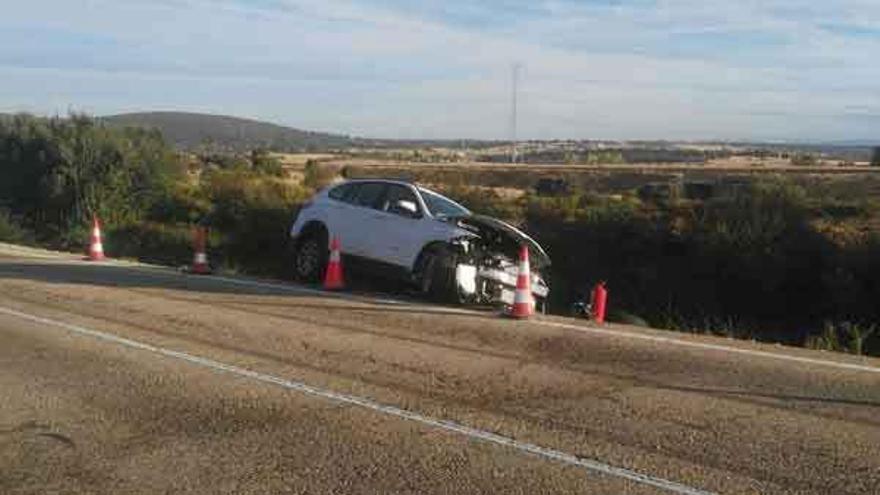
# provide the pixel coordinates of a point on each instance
(523, 304)
(200, 258)
(96, 248)
(333, 277)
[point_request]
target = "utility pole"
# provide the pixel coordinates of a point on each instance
(513, 116)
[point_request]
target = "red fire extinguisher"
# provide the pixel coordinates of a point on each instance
(598, 300)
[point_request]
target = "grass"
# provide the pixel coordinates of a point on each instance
(843, 336)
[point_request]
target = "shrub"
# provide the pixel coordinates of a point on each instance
(317, 176)
(252, 215)
(56, 173)
(186, 202)
(264, 163)
(152, 242)
(11, 231)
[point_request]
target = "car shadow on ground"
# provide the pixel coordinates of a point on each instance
(111, 275)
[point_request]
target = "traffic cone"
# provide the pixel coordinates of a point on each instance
(333, 279)
(96, 247)
(200, 258)
(523, 304)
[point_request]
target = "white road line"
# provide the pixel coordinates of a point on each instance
(712, 347)
(474, 433)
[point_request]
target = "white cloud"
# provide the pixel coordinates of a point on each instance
(665, 69)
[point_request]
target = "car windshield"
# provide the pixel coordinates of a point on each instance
(441, 207)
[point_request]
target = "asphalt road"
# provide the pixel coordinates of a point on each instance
(119, 378)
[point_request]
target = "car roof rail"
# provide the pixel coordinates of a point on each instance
(402, 180)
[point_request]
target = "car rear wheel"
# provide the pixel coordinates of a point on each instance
(311, 257)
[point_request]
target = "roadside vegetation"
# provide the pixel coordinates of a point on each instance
(55, 174)
(772, 260)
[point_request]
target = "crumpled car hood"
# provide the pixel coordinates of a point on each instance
(537, 256)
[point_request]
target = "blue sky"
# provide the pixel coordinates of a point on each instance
(609, 69)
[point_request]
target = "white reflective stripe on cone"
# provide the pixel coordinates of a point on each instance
(522, 297)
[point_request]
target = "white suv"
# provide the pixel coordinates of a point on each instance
(419, 235)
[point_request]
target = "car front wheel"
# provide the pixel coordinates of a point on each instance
(437, 277)
(311, 257)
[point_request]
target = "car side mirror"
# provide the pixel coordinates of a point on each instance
(406, 208)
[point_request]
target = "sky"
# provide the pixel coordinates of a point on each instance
(769, 70)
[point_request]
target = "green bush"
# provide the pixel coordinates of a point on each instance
(11, 231)
(252, 214)
(751, 264)
(151, 242)
(186, 202)
(264, 163)
(73, 238)
(56, 173)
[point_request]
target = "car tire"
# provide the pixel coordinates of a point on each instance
(437, 276)
(310, 260)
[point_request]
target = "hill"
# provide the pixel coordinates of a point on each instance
(220, 132)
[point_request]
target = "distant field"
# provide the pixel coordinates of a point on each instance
(300, 159)
(726, 165)
(855, 180)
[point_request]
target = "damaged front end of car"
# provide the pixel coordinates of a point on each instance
(487, 266)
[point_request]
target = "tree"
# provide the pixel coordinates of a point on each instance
(55, 173)
(875, 158)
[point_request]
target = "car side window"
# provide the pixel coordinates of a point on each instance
(351, 193)
(340, 193)
(369, 195)
(395, 194)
